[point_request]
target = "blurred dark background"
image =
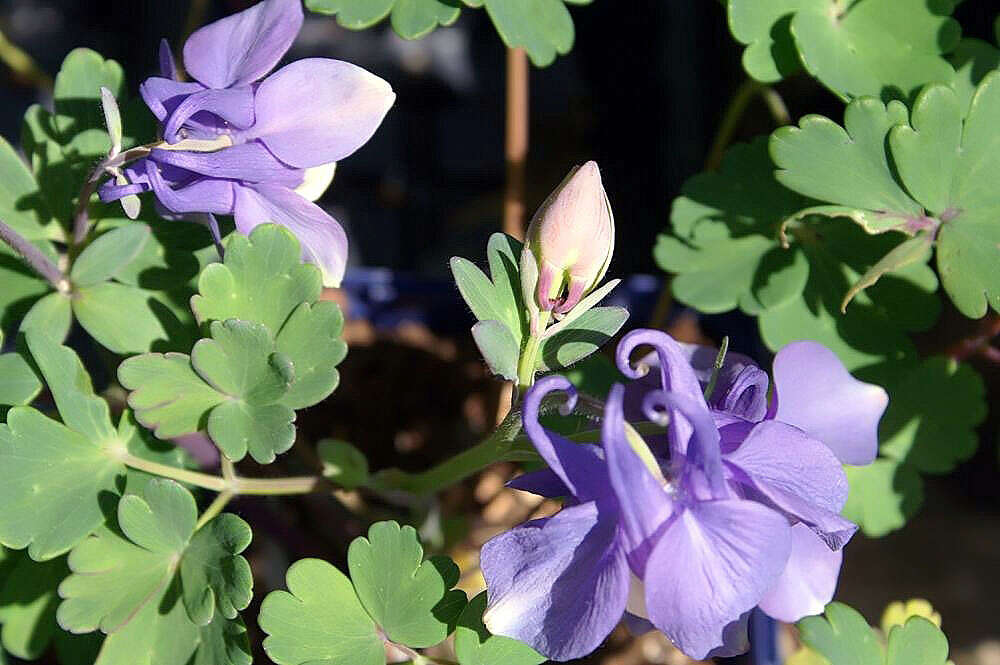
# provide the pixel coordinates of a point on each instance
(642, 92)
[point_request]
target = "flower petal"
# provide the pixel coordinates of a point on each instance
(241, 48)
(168, 66)
(715, 562)
(816, 393)
(644, 504)
(318, 110)
(740, 387)
(323, 240)
(200, 195)
(250, 162)
(558, 584)
(808, 581)
(234, 106)
(581, 471)
(676, 376)
(163, 95)
(797, 475)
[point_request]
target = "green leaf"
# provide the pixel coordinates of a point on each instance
(478, 291)
(474, 645)
(504, 256)
(125, 319)
(343, 464)
(319, 620)
(842, 636)
(214, 577)
(411, 19)
(140, 442)
(54, 484)
(972, 60)
(168, 396)
(223, 642)
(917, 642)
(28, 603)
(498, 348)
(943, 162)
(930, 430)
(109, 253)
(848, 167)
(172, 256)
(77, 92)
(21, 203)
(120, 569)
(410, 599)
(262, 280)
(51, 314)
(725, 246)
(21, 287)
(80, 409)
(18, 383)
(310, 339)
(543, 28)
(885, 48)
(884, 495)
(582, 337)
(159, 634)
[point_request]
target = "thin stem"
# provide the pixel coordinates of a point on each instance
(528, 361)
(500, 446)
(730, 122)
(34, 258)
(214, 508)
(776, 105)
(516, 141)
(81, 215)
(23, 65)
(196, 478)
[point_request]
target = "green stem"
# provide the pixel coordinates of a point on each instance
(235, 485)
(526, 364)
(500, 446)
(214, 508)
(730, 122)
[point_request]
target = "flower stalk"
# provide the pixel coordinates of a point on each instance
(34, 258)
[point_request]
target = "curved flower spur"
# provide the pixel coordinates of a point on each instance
(237, 141)
(739, 508)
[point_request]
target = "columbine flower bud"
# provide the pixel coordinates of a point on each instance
(570, 239)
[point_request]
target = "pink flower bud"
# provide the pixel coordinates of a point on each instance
(571, 239)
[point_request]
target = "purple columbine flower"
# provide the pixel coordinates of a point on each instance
(238, 143)
(739, 509)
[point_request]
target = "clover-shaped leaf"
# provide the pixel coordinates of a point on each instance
(223, 642)
(883, 48)
(124, 566)
(944, 187)
(232, 383)
(724, 245)
(396, 596)
(408, 597)
(917, 642)
(543, 28)
(262, 280)
(842, 635)
(411, 19)
(310, 339)
(474, 645)
(319, 620)
(18, 383)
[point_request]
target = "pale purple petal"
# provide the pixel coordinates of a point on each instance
(234, 106)
(704, 454)
(643, 502)
(582, 472)
(544, 482)
(675, 372)
(808, 581)
(740, 387)
(168, 66)
(714, 563)
(163, 95)
(816, 393)
(249, 162)
(558, 584)
(241, 48)
(322, 238)
(735, 638)
(205, 195)
(318, 110)
(797, 475)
